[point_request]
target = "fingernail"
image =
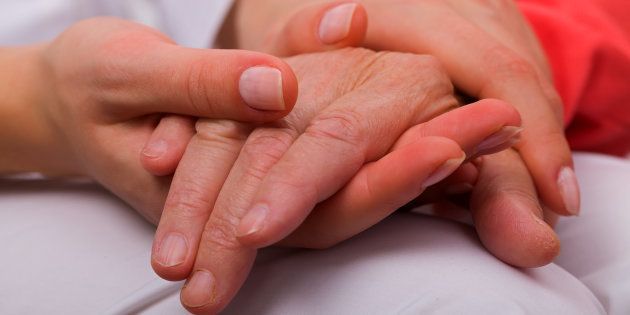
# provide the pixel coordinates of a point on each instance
(500, 140)
(335, 24)
(569, 189)
(172, 251)
(261, 88)
(443, 171)
(199, 290)
(155, 149)
(253, 221)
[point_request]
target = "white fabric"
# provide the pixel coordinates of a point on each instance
(192, 23)
(72, 248)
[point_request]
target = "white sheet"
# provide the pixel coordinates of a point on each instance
(72, 248)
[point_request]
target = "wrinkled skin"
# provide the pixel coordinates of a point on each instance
(357, 115)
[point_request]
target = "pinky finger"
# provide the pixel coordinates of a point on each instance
(165, 148)
(378, 190)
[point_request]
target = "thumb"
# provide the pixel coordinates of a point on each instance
(319, 27)
(150, 74)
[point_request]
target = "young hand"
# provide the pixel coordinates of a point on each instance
(99, 89)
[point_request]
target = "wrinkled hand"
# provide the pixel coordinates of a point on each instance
(107, 81)
(489, 51)
(356, 141)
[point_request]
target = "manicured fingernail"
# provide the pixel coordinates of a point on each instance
(261, 88)
(199, 290)
(443, 171)
(335, 25)
(253, 221)
(172, 251)
(569, 189)
(155, 149)
(500, 140)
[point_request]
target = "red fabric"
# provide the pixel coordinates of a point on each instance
(588, 45)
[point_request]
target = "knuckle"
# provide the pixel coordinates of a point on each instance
(507, 65)
(221, 232)
(264, 148)
(197, 74)
(220, 130)
(343, 125)
(555, 101)
(190, 201)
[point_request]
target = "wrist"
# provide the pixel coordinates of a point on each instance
(27, 140)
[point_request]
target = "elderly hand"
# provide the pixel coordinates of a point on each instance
(489, 51)
(103, 83)
(356, 140)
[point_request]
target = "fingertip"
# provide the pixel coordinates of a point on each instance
(165, 148)
(200, 293)
(251, 230)
(170, 257)
(569, 190)
(549, 160)
(514, 234)
(342, 25)
(321, 27)
(152, 158)
(290, 88)
(500, 108)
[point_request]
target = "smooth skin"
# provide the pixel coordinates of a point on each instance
(87, 103)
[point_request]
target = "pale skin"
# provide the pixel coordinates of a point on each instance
(90, 100)
(506, 194)
(89, 108)
(137, 117)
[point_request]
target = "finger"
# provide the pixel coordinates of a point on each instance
(222, 259)
(355, 129)
(222, 263)
(165, 148)
(319, 27)
(148, 73)
(378, 190)
(507, 215)
(490, 70)
(290, 191)
(484, 127)
(510, 21)
(330, 151)
(194, 189)
(460, 182)
(361, 204)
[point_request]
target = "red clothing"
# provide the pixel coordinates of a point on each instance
(588, 45)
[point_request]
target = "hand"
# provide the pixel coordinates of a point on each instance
(353, 123)
(490, 52)
(105, 82)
